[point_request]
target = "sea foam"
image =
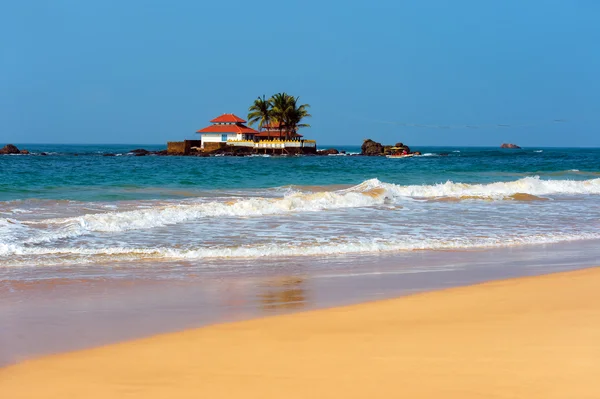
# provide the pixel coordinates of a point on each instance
(79, 255)
(497, 190)
(367, 194)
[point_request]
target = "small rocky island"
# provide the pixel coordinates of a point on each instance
(373, 148)
(10, 149)
(510, 145)
(368, 148)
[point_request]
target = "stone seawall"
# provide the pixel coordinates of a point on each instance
(182, 147)
(210, 146)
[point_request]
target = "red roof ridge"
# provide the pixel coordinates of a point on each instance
(228, 118)
(237, 128)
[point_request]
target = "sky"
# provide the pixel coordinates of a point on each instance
(424, 72)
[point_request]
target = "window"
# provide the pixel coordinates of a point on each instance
(223, 137)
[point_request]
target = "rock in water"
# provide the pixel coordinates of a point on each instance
(140, 152)
(9, 149)
(331, 151)
(509, 145)
(370, 147)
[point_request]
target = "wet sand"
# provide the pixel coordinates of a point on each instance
(531, 337)
(48, 310)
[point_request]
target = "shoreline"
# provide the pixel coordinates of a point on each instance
(526, 337)
(93, 307)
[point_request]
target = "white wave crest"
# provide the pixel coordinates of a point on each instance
(165, 215)
(369, 193)
(497, 190)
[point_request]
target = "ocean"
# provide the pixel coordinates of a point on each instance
(75, 223)
(64, 209)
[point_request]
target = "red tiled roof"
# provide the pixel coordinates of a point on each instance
(273, 129)
(237, 128)
(272, 125)
(228, 118)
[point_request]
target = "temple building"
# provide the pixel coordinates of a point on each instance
(224, 128)
(230, 131)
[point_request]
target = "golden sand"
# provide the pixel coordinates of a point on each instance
(524, 338)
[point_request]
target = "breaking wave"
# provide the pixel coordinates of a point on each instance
(367, 194)
(499, 190)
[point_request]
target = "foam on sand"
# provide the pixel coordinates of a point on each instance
(70, 255)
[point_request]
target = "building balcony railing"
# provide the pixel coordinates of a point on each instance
(273, 143)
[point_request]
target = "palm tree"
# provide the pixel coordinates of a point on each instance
(295, 114)
(260, 111)
(280, 103)
(288, 113)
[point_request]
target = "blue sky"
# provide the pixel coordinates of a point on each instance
(152, 71)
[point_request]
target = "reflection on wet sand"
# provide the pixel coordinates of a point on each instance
(283, 293)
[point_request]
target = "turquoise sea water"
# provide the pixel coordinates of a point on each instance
(91, 177)
(75, 206)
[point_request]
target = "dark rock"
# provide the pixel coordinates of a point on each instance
(139, 152)
(108, 155)
(9, 149)
(417, 153)
(509, 145)
(43, 153)
(330, 151)
(162, 152)
(240, 151)
(24, 152)
(371, 148)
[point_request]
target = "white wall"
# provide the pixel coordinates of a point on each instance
(216, 137)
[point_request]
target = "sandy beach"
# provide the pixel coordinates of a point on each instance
(532, 337)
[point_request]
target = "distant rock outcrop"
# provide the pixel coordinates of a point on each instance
(9, 149)
(140, 152)
(330, 151)
(509, 145)
(371, 148)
